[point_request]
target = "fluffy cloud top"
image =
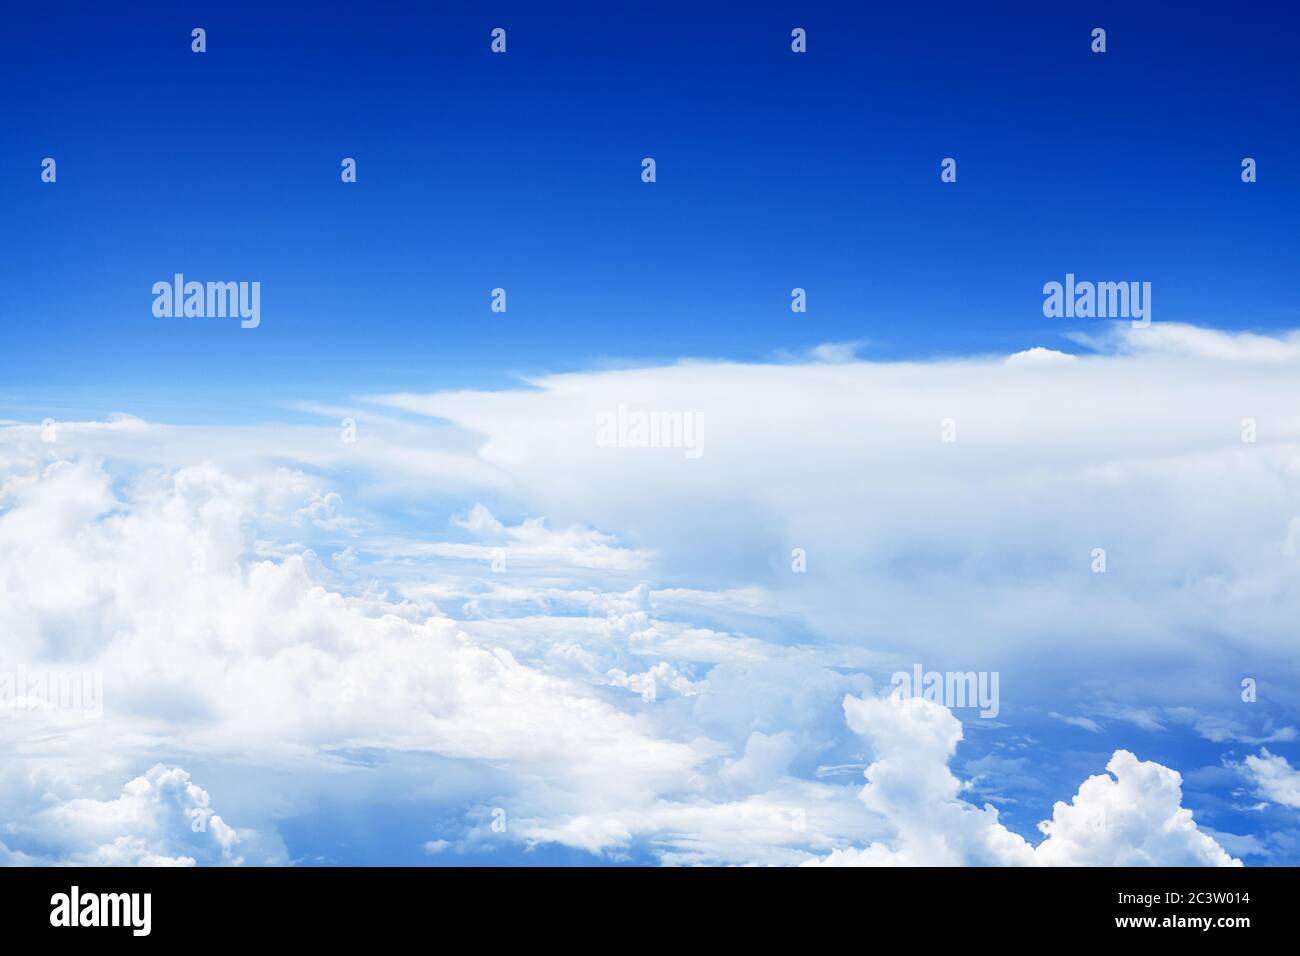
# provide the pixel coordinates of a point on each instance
(160, 819)
(1133, 818)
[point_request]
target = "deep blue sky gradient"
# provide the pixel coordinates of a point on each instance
(523, 171)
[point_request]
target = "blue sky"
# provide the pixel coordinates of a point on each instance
(339, 571)
(522, 171)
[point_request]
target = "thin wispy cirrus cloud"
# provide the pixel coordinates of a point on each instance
(476, 622)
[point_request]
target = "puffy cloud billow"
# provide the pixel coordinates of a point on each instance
(1130, 816)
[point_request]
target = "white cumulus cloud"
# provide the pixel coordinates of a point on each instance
(1133, 818)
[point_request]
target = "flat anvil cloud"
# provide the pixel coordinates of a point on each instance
(978, 551)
